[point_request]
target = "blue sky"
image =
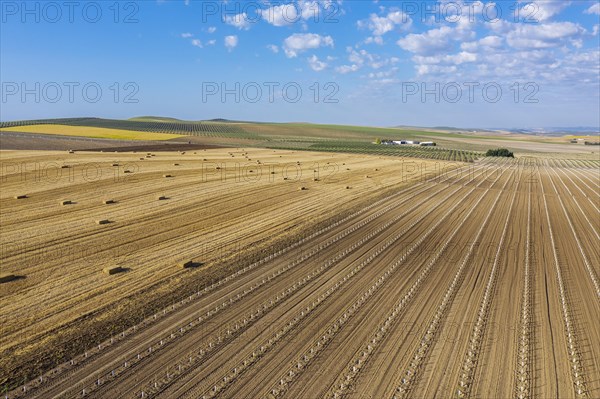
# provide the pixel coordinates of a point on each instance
(384, 63)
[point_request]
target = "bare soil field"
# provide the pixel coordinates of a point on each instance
(361, 277)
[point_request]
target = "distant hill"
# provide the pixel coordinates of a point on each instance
(558, 131)
(154, 119)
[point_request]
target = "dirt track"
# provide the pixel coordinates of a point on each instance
(480, 283)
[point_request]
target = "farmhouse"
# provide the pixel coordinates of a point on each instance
(408, 142)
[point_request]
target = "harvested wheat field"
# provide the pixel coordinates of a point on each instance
(424, 280)
(219, 209)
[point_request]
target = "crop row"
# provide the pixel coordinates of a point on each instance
(360, 359)
(572, 346)
(247, 322)
(399, 151)
(410, 375)
(523, 369)
(184, 367)
(475, 343)
(587, 262)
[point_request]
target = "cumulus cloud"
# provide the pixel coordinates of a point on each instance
(374, 39)
(300, 42)
(273, 48)
(231, 42)
(186, 35)
(540, 10)
(361, 58)
(380, 25)
(315, 64)
(300, 11)
(594, 9)
(196, 43)
(383, 74)
(432, 41)
(211, 29)
(240, 21)
(281, 15)
(546, 35)
(490, 43)
(455, 59)
(347, 68)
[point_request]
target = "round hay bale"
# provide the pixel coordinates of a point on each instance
(113, 270)
(187, 265)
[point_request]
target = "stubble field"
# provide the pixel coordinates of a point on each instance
(383, 278)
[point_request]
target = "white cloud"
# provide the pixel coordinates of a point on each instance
(435, 69)
(231, 42)
(240, 21)
(491, 41)
(300, 42)
(316, 64)
(594, 9)
(431, 41)
(186, 35)
(540, 10)
(374, 39)
(439, 39)
(454, 59)
(311, 9)
(361, 58)
(273, 48)
(212, 29)
(300, 11)
(383, 74)
(347, 68)
(196, 43)
(211, 42)
(487, 43)
(546, 35)
(380, 25)
(281, 15)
